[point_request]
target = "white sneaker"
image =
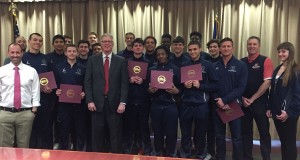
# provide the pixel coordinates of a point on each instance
(208, 157)
(56, 146)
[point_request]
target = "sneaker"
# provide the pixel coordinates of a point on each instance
(208, 157)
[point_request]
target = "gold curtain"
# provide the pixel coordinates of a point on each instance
(275, 21)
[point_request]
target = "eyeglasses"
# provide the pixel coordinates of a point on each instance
(106, 41)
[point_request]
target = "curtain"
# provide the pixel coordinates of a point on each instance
(275, 21)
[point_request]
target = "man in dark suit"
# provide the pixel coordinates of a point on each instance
(106, 95)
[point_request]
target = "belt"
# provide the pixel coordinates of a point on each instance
(12, 109)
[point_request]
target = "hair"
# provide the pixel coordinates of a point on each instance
(66, 36)
(151, 37)
(254, 37)
(15, 40)
(164, 48)
(166, 35)
(129, 33)
(178, 39)
(93, 33)
(291, 65)
(213, 41)
(37, 34)
(106, 35)
(83, 41)
(70, 45)
(14, 44)
(226, 39)
(96, 44)
(195, 43)
(58, 37)
(138, 40)
(195, 33)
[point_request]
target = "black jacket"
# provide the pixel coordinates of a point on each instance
(285, 98)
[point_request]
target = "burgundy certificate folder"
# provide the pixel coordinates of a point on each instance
(70, 93)
(136, 68)
(192, 72)
(233, 113)
(47, 79)
(161, 79)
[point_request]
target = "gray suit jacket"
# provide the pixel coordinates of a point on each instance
(94, 82)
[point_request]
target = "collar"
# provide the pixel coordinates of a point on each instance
(251, 58)
(141, 58)
(109, 56)
(59, 54)
(12, 66)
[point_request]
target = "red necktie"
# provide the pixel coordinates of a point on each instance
(106, 74)
(17, 89)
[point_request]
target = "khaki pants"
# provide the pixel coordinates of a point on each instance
(19, 123)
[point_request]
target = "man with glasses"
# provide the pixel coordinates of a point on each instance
(106, 88)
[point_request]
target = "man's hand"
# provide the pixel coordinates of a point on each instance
(196, 83)
(246, 102)
(188, 84)
(152, 89)
(172, 90)
(82, 94)
(34, 110)
(46, 89)
(269, 114)
(219, 102)
(138, 80)
(283, 116)
(91, 106)
(121, 108)
(58, 92)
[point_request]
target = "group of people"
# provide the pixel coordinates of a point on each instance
(115, 109)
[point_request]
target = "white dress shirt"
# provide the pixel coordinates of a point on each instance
(30, 86)
(104, 58)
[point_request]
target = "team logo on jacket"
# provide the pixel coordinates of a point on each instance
(44, 62)
(64, 71)
(232, 69)
(78, 71)
(256, 66)
(203, 69)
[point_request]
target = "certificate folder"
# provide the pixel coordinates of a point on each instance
(233, 113)
(161, 79)
(192, 72)
(70, 93)
(136, 68)
(47, 79)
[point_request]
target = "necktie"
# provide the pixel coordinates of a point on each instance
(106, 74)
(17, 89)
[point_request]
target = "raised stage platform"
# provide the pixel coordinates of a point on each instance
(41, 154)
